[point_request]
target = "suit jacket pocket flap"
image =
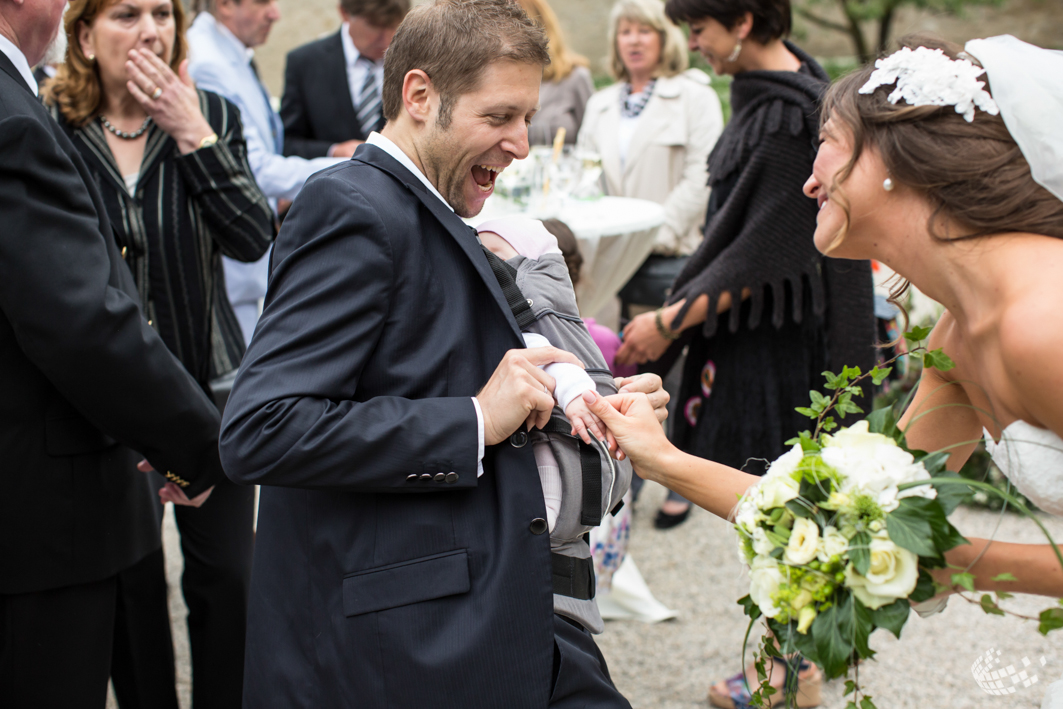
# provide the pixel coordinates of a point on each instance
(73, 435)
(407, 582)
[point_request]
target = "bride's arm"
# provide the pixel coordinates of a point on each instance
(709, 485)
(941, 416)
(1034, 566)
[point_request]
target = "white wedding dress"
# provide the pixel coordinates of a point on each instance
(1032, 459)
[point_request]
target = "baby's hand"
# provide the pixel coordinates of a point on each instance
(585, 424)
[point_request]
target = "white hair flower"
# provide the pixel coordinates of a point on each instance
(927, 77)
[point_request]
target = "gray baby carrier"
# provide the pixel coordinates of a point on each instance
(539, 293)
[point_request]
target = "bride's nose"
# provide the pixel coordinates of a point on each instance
(812, 187)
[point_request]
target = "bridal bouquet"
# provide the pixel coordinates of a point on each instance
(839, 534)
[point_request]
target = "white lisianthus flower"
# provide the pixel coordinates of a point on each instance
(765, 577)
(761, 544)
(786, 464)
(776, 491)
(804, 542)
(893, 574)
(746, 516)
(832, 543)
(873, 464)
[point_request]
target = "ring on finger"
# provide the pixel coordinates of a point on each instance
(156, 93)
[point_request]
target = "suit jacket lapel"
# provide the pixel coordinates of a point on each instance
(334, 75)
(9, 67)
(464, 234)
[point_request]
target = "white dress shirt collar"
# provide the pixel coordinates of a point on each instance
(350, 53)
(395, 151)
(234, 40)
(19, 60)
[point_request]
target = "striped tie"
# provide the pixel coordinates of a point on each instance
(369, 99)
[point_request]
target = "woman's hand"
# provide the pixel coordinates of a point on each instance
(632, 421)
(642, 341)
(170, 100)
(650, 385)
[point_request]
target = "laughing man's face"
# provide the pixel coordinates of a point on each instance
(488, 130)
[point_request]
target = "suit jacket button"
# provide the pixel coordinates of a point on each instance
(439, 477)
(518, 439)
(425, 477)
(537, 526)
(412, 478)
(451, 478)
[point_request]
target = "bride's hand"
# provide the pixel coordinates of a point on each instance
(631, 419)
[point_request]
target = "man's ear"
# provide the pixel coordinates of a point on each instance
(418, 96)
(224, 8)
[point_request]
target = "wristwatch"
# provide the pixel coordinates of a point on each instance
(208, 141)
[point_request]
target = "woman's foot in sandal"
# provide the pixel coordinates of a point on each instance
(733, 693)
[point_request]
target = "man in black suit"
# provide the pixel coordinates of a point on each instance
(84, 382)
(332, 86)
(402, 558)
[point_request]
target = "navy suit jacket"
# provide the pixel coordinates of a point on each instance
(316, 107)
(386, 573)
(81, 372)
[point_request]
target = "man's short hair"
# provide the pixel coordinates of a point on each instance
(382, 13)
(454, 41)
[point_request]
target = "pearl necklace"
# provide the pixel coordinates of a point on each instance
(121, 133)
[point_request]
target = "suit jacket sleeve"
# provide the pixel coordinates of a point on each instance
(295, 115)
(303, 412)
(65, 291)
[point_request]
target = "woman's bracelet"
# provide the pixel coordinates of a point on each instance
(665, 332)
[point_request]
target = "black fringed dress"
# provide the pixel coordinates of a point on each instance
(748, 368)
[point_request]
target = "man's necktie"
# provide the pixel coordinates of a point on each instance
(369, 99)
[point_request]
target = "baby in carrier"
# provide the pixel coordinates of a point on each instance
(581, 483)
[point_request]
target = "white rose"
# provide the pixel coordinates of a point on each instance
(761, 544)
(746, 517)
(786, 464)
(804, 542)
(765, 576)
(776, 491)
(832, 543)
(893, 574)
(874, 465)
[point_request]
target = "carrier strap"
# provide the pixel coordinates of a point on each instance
(572, 577)
(591, 467)
(506, 276)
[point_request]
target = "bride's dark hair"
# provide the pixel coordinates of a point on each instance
(973, 174)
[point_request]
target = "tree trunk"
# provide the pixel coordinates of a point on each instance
(885, 25)
(856, 32)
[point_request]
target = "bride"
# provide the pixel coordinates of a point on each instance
(961, 192)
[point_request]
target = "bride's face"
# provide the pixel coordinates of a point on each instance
(869, 204)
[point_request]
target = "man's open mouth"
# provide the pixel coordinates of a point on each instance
(484, 176)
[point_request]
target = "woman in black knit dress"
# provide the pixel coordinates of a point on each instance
(781, 313)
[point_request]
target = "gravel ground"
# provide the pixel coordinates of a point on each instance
(694, 569)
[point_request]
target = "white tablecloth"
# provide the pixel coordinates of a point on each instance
(615, 236)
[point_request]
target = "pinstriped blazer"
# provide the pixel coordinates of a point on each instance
(187, 211)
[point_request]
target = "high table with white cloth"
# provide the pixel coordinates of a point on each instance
(615, 236)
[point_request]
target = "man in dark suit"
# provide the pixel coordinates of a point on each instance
(84, 382)
(332, 86)
(402, 558)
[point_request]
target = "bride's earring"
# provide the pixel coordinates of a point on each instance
(91, 57)
(887, 184)
(733, 56)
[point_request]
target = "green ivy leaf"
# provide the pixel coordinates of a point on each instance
(917, 334)
(883, 421)
(924, 588)
(866, 703)
(834, 382)
(892, 617)
(829, 424)
(879, 374)
(937, 359)
(855, 624)
(850, 687)
(749, 607)
(801, 508)
(860, 552)
(989, 606)
(965, 580)
(804, 439)
(950, 495)
(819, 401)
(908, 528)
(805, 411)
(851, 372)
(832, 647)
(1051, 619)
(1004, 595)
(1004, 577)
